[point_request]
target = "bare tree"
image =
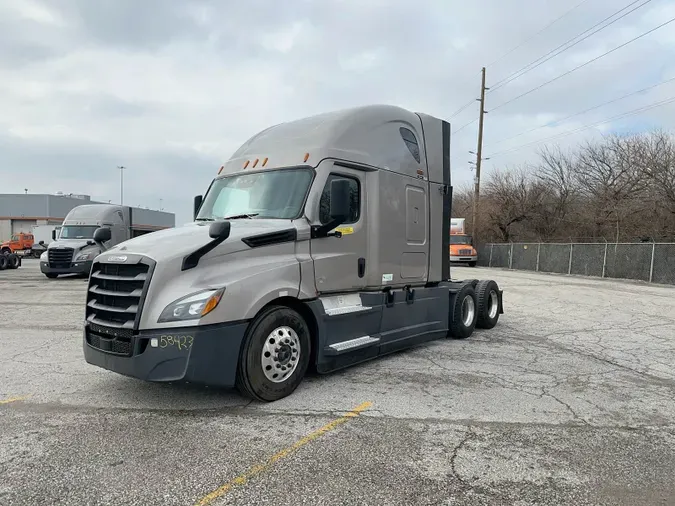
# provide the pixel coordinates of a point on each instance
(511, 198)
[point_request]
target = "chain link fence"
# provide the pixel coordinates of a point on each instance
(651, 262)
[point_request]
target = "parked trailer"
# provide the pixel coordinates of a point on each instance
(321, 242)
(72, 251)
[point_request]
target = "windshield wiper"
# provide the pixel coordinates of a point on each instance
(238, 216)
(204, 219)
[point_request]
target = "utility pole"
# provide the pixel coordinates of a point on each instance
(121, 168)
(479, 152)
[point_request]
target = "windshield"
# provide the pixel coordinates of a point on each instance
(460, 239)
(77, 232)
(270, 194)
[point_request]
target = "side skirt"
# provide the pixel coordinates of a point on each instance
(356, 327)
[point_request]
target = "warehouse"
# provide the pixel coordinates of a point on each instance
(20, 212)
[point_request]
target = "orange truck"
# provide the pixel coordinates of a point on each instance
(22, 244)
(461, 244)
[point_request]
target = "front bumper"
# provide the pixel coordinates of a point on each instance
(463, 258)
(75, 268)
(206, 355)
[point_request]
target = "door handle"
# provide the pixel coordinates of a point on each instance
(362, 267)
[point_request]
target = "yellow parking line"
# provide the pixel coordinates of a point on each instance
(14, 399)
(243, 478)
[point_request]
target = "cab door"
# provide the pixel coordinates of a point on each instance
(340, 263)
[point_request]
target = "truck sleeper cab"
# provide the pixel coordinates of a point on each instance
(322, 243)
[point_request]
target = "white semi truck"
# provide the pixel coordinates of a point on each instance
(322, 243)
(74, 247)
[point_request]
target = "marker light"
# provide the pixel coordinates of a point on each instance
(246, 164)
(255, 163)
(306, 157)
(264, 161)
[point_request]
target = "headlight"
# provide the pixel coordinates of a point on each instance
(191, 307)
(44, 257)
(84, 256)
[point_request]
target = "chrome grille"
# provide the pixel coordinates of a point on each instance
(114, 297)
(465, 252)
(60, 258)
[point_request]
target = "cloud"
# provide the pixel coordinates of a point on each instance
(170, 89)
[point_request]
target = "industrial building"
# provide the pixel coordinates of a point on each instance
(20, 212)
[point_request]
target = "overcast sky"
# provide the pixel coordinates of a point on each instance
(170, 89)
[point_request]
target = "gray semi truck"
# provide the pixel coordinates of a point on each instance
(73, 247)
(321, 243)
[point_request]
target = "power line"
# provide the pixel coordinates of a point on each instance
(583, 112)
(465, 125)
(524, 70)
(583, 64)
(534, 35)
(586, 127)
(472, 101)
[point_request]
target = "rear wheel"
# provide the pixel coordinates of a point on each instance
(488, 304)
(13, 261)
(275, 355)
(464, 314)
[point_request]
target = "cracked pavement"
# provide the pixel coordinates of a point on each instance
(569, 400)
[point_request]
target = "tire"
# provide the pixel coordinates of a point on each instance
(3, 262)
(5, 251)
(464, 312)
(252, 380)
(488, 304)
(13, 261)
(51, 275)
(472, 264)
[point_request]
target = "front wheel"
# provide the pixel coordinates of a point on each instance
(51, 275)
(275, 355)
(472, 264)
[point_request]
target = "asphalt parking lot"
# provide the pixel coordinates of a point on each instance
(569, 400)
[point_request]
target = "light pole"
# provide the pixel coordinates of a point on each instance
(121, 168)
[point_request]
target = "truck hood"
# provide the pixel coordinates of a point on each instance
(180, 241)
(76, 244)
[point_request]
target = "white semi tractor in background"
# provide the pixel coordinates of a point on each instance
(74, 247)
(322, 243)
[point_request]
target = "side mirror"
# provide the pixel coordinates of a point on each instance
(196, 206)
(219, 230)
(54, 235)
(102, 234)
(340, 200)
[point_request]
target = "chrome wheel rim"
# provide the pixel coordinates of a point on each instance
(280, 354)
(493, 304)
(468, 310)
